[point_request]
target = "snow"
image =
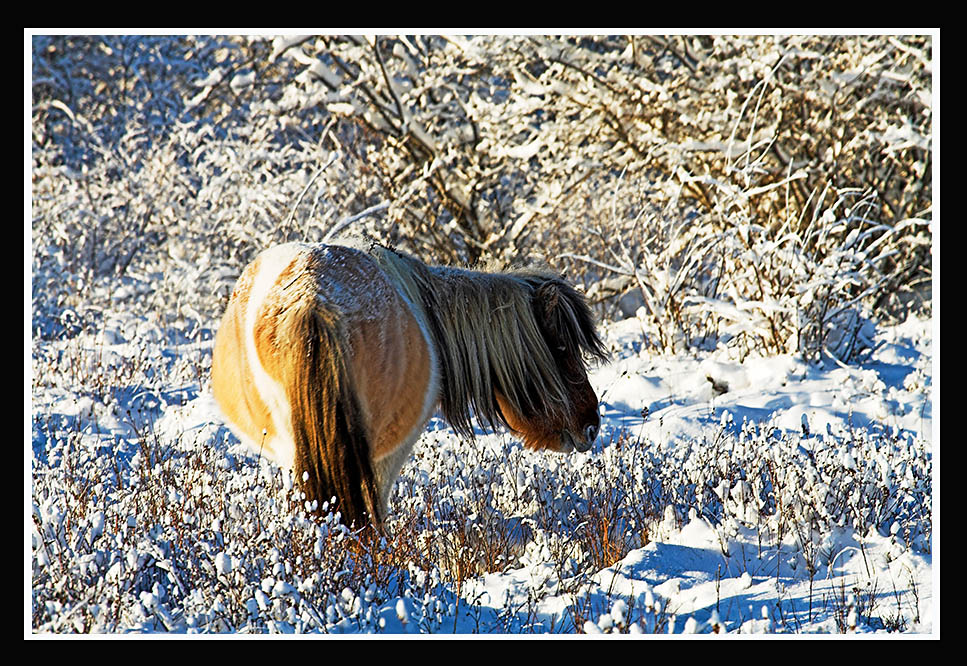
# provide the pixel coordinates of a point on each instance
(720, 569)
(680, 393)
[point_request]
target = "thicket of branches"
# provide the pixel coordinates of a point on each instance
(767, 193)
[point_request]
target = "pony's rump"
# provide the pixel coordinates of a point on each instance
(282, 374)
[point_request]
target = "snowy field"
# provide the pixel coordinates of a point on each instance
(768, 463)
(754, 497)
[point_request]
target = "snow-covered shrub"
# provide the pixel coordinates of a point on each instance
(673, 172)
(178, 532)
(717, 182)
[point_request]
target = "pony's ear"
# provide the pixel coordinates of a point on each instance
(565, 319)
(547, 298)
(550, 305)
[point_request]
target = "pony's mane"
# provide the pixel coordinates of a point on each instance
(489, 333)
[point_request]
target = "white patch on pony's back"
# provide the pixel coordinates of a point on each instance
(432, 393)
(271, 264)
(388, 466)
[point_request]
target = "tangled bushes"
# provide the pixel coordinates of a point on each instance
(767, 193)
(762, 192)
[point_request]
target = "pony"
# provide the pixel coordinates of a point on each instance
(330, 359)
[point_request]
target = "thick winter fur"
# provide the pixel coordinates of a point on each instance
(282, 374)
(330, 360)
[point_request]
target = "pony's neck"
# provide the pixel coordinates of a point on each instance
(486, 338)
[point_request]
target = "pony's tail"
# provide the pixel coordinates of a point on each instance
(332, 452)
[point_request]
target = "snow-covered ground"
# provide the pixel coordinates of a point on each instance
(774, 497)
(708, 575)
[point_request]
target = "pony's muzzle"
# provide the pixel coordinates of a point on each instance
(590, 434)
(570, 442)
